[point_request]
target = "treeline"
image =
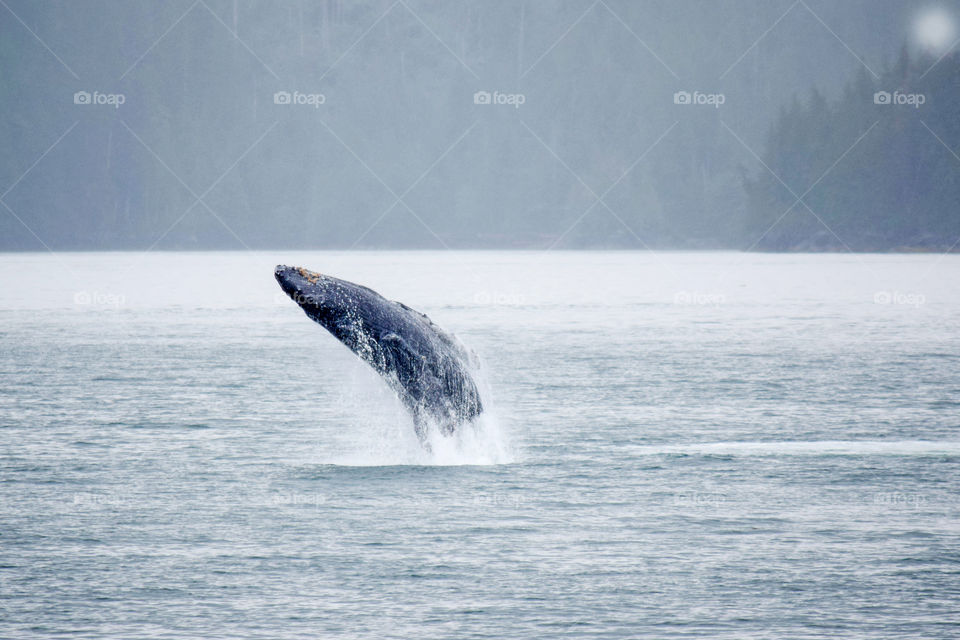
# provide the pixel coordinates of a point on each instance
(875, 170)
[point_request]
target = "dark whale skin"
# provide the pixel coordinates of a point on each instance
(426, 367)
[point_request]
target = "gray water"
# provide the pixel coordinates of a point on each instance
(678, 445)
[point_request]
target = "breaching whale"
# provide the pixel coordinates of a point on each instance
(426, 367)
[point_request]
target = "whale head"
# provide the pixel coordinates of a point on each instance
(314, 292)
(334, 303)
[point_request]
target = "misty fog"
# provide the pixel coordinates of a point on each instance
(378, 123)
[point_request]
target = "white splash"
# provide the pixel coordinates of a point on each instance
(381, 431)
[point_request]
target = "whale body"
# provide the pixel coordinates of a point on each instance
(426, 367)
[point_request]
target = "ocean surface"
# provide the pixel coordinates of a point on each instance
(678, 445)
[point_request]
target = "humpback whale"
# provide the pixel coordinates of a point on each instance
(426, 367)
